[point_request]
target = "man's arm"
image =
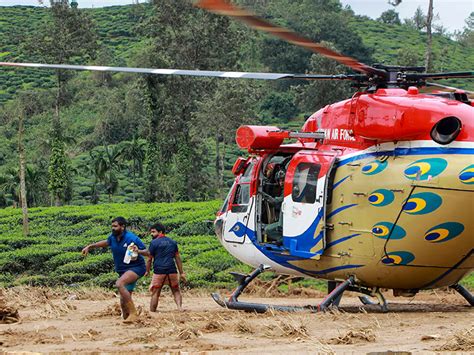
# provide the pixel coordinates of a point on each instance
(143, 252)
(101, 244)
(179, 264)
(271, 200)
(140, 248)
(148, 264)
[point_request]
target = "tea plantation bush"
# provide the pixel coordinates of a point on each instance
(51, 254)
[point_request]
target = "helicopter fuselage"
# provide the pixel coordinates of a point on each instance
(386, 197)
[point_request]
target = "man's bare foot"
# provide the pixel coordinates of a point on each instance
(132, 318)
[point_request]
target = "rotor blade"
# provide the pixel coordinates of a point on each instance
(449, 88)
(220, 74)
(223, 7)
(437, 76)
(204, 73)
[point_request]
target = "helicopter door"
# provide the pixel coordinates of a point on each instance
(304, 208)
(237, 218)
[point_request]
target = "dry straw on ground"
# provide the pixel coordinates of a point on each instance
(270, 288)
(244, 327)
(461, 341)
(353, 336)
(288, 326)
(8, 314)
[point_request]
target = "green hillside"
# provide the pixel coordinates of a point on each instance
(390, 41)
(115, 27)
(196, 118)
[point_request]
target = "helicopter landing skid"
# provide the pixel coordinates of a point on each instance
(233, 303)
(381, 301)
(464, 292)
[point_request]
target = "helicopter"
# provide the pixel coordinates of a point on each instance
(374, 192)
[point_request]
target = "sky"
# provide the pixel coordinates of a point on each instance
(452, 12)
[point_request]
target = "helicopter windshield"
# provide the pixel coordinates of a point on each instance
(242, 190)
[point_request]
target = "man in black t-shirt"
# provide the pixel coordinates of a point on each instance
(165, 257)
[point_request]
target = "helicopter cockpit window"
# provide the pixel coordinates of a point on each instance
(225, 205)
(305, 182)
(242, 190)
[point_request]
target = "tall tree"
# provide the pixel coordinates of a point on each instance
(9, 186)
(22, 161)
(429, 39)
(419, 19)
(318, 94)
(67, 35)
(111, 169)
(390, 17)
(175, 159)
(153, 155)
(134, 151)
(408, 56)
(467, 35)
(234, 103)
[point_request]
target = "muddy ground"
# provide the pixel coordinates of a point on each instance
(88, 321)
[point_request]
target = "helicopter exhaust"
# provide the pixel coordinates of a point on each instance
(255, 138)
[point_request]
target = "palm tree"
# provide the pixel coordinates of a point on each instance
(134, 151)
(9, 185)
(37, 184)
(112, 167)
(97, 166)
(104, 165)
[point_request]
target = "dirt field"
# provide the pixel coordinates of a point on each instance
(87, 320)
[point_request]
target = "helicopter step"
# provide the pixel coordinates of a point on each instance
(365, 298)
(381, 301)
(464, 292)
(333, 298)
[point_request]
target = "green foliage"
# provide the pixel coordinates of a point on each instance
(279, 105)
(59, 170)
(104, 280)
(62, 259)
(318, 94)
(51, 255)
(94, 265)
(68, 278)
(25, 259)
(390, 17)
(67, 33)
(6, 279)
(176, 134)
(34, 280)
(388, 40)
(195, 228)
(468, 281)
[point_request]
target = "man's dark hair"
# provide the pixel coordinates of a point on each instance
(159, 227)
(120, 220)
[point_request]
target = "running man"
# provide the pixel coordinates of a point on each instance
(165, 257)
(119, 241)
